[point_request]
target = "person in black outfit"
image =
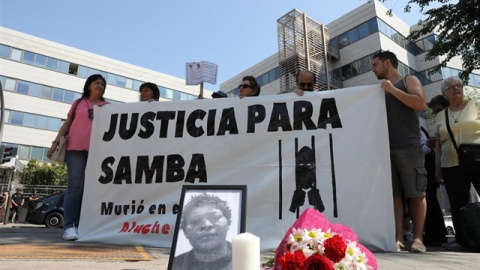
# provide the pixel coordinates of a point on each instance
(17, 202)
(434, 230)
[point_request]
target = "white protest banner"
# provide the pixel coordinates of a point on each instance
(328, 148)
(198, 72)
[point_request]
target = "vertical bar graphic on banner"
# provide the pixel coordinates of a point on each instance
(280, 180)
(296, 192)
(334, 181)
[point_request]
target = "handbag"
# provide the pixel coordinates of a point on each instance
(59, 153)
(468, 154)
(470, 221)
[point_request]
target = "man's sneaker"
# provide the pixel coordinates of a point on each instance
(70, 234)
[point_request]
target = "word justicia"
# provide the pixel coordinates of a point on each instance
(220, 122)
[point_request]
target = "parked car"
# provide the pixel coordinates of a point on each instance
(449, 225)
(48, 211)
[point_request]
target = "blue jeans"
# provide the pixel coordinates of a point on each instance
(76, 164)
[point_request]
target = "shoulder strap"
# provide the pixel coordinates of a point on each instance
(450, 131)
(73, 116)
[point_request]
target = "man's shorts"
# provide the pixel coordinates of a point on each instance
(409, 176)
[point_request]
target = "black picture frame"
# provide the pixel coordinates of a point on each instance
(236, 198)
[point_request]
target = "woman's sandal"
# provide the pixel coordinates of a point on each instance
(418, 247)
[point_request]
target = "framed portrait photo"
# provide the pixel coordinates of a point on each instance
(208, 219)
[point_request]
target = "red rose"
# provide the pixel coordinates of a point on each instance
(318, 262)
(335, 248)
(292, 261)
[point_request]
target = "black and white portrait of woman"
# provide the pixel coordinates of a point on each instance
(209, 220)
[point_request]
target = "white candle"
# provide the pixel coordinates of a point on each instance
(246, 252)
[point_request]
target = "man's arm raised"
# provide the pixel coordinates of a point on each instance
(415, 96)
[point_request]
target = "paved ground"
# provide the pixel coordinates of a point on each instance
(27, 236)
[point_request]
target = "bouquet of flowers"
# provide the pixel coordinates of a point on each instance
(312, 242)
(317, 249)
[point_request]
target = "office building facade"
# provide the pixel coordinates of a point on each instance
(41, 79)
(357, 35)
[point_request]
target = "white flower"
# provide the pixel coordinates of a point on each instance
(354, 258)
(312, 241)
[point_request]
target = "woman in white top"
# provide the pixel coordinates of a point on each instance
(464, 121)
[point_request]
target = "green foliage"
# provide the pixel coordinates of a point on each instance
(269, 263)
(457, 28)
(39, 173)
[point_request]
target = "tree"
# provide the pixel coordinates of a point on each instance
(38, 173)
(457, 27)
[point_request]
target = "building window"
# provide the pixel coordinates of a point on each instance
(23, 152)
(72, 69)
(82, 72)
(337, 74)
(382, 27)
(22, 87)
(333, 43)
(42, 122)
(428, 42)
(17, 118)
(373, 25)
(343, 40)
(29, 120)
(40, 60)
(52, 63)
(163, 91)
(353, 35)
(16, 55)
(53, 124)
(363, 30)
(47, 92)
(437, 76)
(62, 66)
(346, 72)
(136, 85)
(120, 81)
(103, 73)
(58, 94)
(28, 57)
(35, 90)
(69, 97)
(176, 95)
(6, 118)
(4, 51)
(92, 71)
(129, 84)
(168, 93)
(37, 153)
(112, 79)
(10, 84)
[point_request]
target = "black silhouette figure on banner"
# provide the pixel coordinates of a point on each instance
(306, 178)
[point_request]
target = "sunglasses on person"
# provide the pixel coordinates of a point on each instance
(303, 85)
(241, 86)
